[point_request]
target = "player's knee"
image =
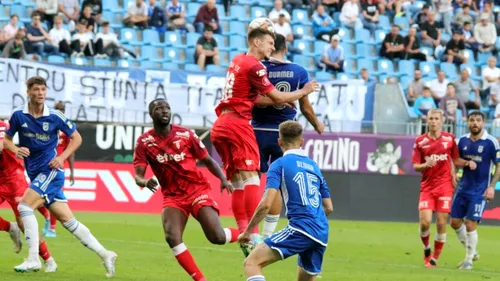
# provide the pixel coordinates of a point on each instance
(217, 237)
(173, 238)
(425, 224)
(470, 225)
(456, 223)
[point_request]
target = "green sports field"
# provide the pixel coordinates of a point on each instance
(357, 251)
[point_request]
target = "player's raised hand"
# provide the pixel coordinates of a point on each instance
(244, 238)
(227, 186)
(22, 152)
(311, 86)
(472, 165)
(152, 184)
(489, 193)
(56, 163)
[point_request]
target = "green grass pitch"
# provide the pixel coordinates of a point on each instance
(357, 251)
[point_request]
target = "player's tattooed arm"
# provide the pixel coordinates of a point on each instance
(214, 168)
(262, 210)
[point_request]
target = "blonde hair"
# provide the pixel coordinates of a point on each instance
(436, 111)
(58, 17)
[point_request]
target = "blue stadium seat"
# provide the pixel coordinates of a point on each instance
(248, 2)
(190, 55)
(363, 63)
(300, 16)
(482, 58)
(427, 69)
(147, 64)
(336, 18)
(192, 10)
(379, 37)
(386, 66)
(360, 35)
(257, 12)
(319, 47)
(239, 12)
(3, 14)
(362, 51)
(191, 67)
(215, 68)
(112, 5)
(170, 66)
(192, 38)
(405, 81)
(238, 42)
(129, 36)
(470, 68)
(384, 21)
(406, 67)
(151, 37)
(303, 46)
(344, 76)
(102, 62)
(123, 63)
(449, 69)
(323, 75)
(21, 11)
(350, 66)
(344, 34)
(56, 59)
(237, 28)
(171, 55)
(427, 51)
(299, 31)
(31, 56)
(221, 13)
(79, 61)
(470, 56)
(304, 62)
(174, 38)
(402, 22)
(7, 2)
(150, 53)
(221, 43)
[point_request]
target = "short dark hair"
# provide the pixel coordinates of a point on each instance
(426, 88)
(426, 6)
(35, 80)
(279, 43)
(450, 84)
(475, 113)
(35, 13)
(465, 6)
(154, 103)
(83, 22)
(466, 22)
(259, 33)
(14, 16)
(209, 28)
(290, 131)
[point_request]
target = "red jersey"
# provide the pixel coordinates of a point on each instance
(62, 143)
(173, 160)
(10, 165)
(442, 150)
(246, 79)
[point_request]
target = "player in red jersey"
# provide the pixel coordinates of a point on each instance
(434, 154)
(233, 136)
(49, 228)
(172, 151)
(12, 186)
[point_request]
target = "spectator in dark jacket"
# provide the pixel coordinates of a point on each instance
(157, 17)
(96, 9)
(393, 46)
(14, 49)
(207, 16)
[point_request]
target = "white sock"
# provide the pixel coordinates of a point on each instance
(83, 233)
(256, 278)
(471, 245)
(270, 223)
(30, 230)
(462, 235)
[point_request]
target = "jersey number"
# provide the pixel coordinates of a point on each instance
(228, 88)
(309, 191)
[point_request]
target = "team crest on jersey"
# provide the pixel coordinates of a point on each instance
(177, 144)
(45, 126)
(480, 149)
(445, 144)
(465, 147)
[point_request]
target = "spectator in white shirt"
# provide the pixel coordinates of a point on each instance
(444, 13)
(277, 11)
(60, 37)
(137, 15)
(349, 16)
(10, 30)
(110, 42)
(490, 74)
(496, 121)
(485, 34)
(70, 10)
(83, 42)
(282, 27)
(438, 87)
(48, 10)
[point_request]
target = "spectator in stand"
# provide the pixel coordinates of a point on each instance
(485, 34)
(294, 4)
(431, 35)
(137, 15)
(176, 19)
(365, 76)
(277, 11)
(462, 17)
(424, 104)
(491, 75)
(282, 27)
(398, 6)
(412, 46)
(60, 37)
(469, 39)
(349, 16)
(47, 10)
(9, 31)
(393, 46)
(464, 86)
(87, 15)
(70, 10)
(207, 51)
(444, 13)
(487, 9)
(421, 17)
(110, 43)
(333, 56)
(438, 87)
(14, 49)
(332, 5)
(207, 16)
(496, 121)
(83, 42)
(370, 15)
(450, 103)
(157, 17)
(454, 52)
(38, 37)
(416, 87)
(323, 25)
(96, 9)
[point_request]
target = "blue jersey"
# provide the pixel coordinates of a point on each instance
(39, 135)
(485, 152)
(286, 77)
(303, 187)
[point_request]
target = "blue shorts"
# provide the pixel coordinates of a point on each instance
(288, 242)
(269, 148)
(49, 185)
(471, 209)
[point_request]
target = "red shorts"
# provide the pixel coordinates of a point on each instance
(234, 139)
(12, 190)
(438, 201)
(193, 203)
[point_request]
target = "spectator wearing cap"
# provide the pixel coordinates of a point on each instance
(83, 44)
(485, 34)
(110, 43)
(207, 51)
(393, 46)
(450, 103)
(137, 15)
(96, 9)
(431, 35)
(349, 16)
(38, 37)
(412, 46)
(207, 16)
(47, 10)
(455, 48)
(421, 17)
(176, 17)
(438, 86)
(87, 15)
(333, 56)
(60, 37)
(462, 17)
(157, 17)
(424, 103)
(277, 11)
(464, 86)
(444, 13)
(70, 10)
(323, 25)
(370, 15)
(14, 49)
(416, 87)
(469, 39)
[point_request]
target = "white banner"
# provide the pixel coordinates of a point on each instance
(99, 96)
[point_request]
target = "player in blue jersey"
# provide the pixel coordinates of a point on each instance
(287, 77)
(476, 187)
(38, 127)
(307, 200)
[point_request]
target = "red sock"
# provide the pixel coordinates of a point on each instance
(43, 251)
(425, 240)
(4, 225)
(252, 199)
(234, 234)
(44, 211)
(53, 222)
(238, 206)
(185, 259)
(438, 247)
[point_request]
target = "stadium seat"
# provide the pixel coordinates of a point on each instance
(237, 28)
(319, 47)
(304, 62)
(345, 34)
(102, 62)
(360, 35)
(151, 37)
(191, 67)
(170, 66)
(239, 12)
(248, 2)
(406, 67)
(482, 58)
(222, 14)
(192, 10)
(171, 55)
(215, 68)
(190, 55)
(343, 77)
(470, 56)
(148, 64)
(303, 46)
(79, 61)
(299, 31)
(3, 14)
(363, 51)
(379, 37)
(129, 36)
(386, 66)
(384, 21)
(405, 81)
(323, 75)
(449, 69)
(56, 59)
(21, 11)
(123, 63)
(174, 38)
(427, 69)
(112, 6)
(257, 12)
(427, 51)
(363, 63)
(238, 42)
(470, 68)
(221, 43)
(300, 16)
(402, 22)
(150, 53)
(31, 56)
